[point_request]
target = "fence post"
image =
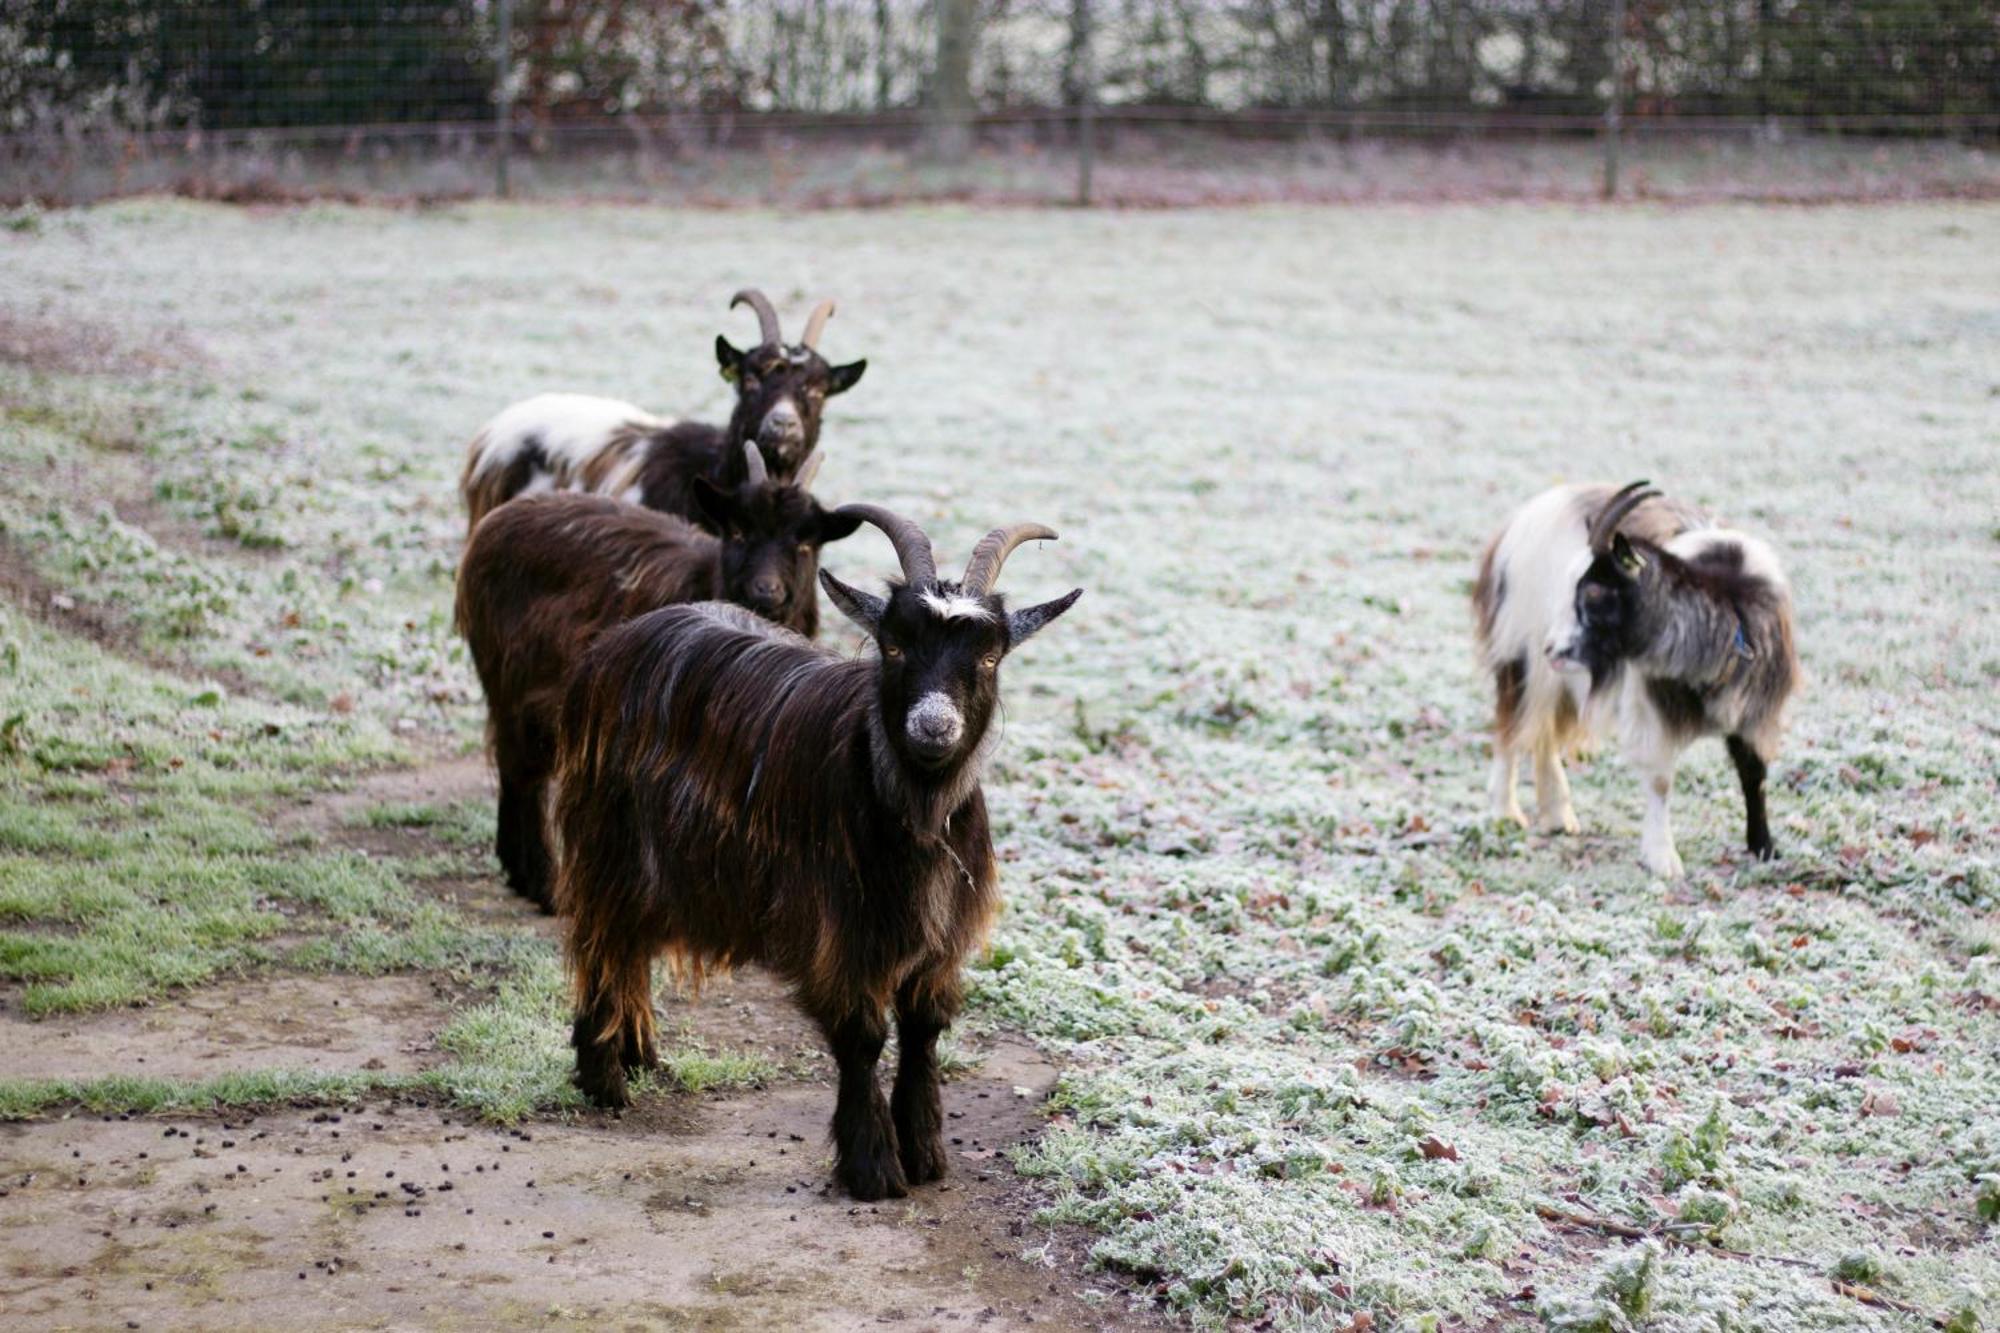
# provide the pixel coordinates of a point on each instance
(1086, 110)
(1614, 106)
(503, 101)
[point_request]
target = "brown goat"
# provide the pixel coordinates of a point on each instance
(544, 575)
(728, 793)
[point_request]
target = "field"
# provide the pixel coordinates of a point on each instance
(1276, 1025)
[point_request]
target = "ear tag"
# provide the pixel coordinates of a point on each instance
(1631, 561)
(1742, 645)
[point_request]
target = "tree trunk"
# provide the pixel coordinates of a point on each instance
(1333, 30)
(1073, 53)
(951, 82)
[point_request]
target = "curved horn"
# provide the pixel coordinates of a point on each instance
(913, 549)
(767, 317)
(816, 324)
(983, 570)
(753, 463)
(808, 470)
(1613, 513)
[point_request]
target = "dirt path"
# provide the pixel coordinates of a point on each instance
(294, 1022)
(690, 1211)
(703, 1213)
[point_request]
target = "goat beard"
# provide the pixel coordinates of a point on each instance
(926, 800)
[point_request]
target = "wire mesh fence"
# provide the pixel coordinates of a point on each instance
(858, 101)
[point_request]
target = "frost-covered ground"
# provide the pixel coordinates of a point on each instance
(1334, 1042)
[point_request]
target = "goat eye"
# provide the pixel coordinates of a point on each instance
(891, 651)
(990, 661)
(805, 548)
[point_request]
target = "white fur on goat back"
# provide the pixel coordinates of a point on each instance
(557, 442)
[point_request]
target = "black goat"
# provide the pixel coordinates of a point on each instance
(544, 575)
(728, 794)
(579, 442)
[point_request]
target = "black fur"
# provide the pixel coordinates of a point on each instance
(1608, 614)
(1680, 706)
(764, 376)
(1750, 770)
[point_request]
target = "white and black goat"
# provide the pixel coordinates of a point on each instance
(728, 793)
(545, 575)
(580, 442)
(1599, 609)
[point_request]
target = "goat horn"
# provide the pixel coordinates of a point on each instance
(913, 549)
(816, 324)
(753, 463)
(808, 470)
(767, 317)
(1613, 513)
(983, 570)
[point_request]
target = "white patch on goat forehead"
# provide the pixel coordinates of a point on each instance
(954, 606)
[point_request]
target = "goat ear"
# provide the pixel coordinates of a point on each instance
(728, 358)
(713, 501)
(1628, 560)
(1022, 625)
(829, 526)
(842, 378)
(864, 609)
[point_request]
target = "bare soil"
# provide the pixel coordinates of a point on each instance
(292, 1022)
(687, 1212)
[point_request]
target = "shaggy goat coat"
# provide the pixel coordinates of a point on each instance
(731, 794)
(1660, 626)
(726, 796)
(542, 578)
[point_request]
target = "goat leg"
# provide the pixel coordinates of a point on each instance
(864, 1137)
(1509, 684)
(614, 1025)
(1750, 770)
(520, 840)
(916, 1106)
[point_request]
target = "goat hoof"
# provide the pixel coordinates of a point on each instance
(925, 1161)
(605, 1088)
(610, 1098)
(1764, 852)
(542, 902)
(1664, 865)
(1561, 822)
(880, 1178)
